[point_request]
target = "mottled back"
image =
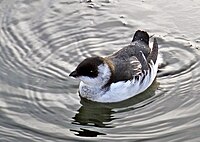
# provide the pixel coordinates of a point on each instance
(134, 58)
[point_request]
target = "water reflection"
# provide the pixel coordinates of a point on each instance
(94, 114)
(86, 133)
(101, 115)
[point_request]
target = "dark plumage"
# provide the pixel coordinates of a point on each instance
(127, 60)
(88, 67)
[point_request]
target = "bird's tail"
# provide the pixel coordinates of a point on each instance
(141, 36)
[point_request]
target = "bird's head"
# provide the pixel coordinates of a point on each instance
(93, 71)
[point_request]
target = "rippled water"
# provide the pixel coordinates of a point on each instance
(41, 42)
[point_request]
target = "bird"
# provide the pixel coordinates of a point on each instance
(121, 75)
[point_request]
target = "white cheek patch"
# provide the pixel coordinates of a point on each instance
(103, 77)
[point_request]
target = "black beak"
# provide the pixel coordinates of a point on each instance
(73, 74)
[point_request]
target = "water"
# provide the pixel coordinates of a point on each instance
(41, 42)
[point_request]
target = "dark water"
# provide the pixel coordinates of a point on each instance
(41, 42)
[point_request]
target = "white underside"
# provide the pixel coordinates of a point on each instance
(121, 90)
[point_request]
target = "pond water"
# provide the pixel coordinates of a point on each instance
(41, 42)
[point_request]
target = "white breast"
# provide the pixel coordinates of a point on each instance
(121, 90)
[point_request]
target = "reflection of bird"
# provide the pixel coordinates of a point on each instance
(121, 75)
(99, 117)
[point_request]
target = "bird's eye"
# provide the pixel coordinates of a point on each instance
(93, 71)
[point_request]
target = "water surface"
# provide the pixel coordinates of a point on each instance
(41, 42)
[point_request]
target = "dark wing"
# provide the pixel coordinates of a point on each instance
(124, 70)
(135, 66)
(132, 60)
(154, 52)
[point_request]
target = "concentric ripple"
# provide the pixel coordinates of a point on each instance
(41, 42)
